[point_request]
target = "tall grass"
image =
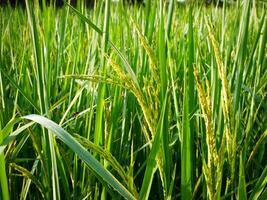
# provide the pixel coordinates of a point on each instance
(165, 101)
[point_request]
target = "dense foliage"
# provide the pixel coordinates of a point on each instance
(163, 101)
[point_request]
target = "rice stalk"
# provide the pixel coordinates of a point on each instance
(226, 96)
(138, 94)
(211, 169)
(27, 174)
(152, 58)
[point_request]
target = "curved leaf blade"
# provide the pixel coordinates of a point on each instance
(84, 155)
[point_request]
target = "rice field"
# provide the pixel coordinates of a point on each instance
(159, 101)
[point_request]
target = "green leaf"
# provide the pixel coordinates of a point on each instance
(151, 163)
(242, 193)
(84, 155)
(260, 185)
(13, 136)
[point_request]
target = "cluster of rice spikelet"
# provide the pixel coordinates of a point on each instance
(214, 167)
(226, 97)
(209, 170)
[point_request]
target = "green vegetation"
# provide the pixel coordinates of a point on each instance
(164, 101)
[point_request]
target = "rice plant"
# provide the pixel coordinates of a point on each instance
(126, 101)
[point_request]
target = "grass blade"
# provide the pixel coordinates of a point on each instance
(84, 155)
(152, 164)
(242, 193)
(260, 185)
(188, 104)
(3, 175)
